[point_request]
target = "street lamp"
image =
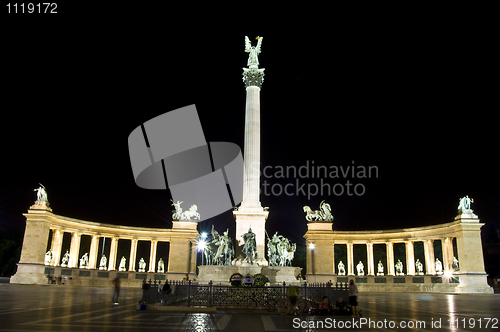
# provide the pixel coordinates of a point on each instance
(201, 246)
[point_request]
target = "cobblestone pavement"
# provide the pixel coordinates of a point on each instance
(69, 308)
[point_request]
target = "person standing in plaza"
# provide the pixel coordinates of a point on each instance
(353, 298)
(116, 282)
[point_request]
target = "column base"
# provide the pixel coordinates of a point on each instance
(29, 274)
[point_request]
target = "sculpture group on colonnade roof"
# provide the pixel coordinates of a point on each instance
(190, 214)
(323, 214)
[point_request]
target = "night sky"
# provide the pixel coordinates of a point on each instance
(417, 104)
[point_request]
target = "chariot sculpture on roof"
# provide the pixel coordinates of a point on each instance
(323, 214)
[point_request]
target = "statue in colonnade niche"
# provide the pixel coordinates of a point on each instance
(161, 266)
(142, 265)
(84, 261)
(439, 266)
(122, 266)
(380, 268)
(454, 265)
(65, 259)
(103, 263)
(341, 268)
(419, 267)
(361, 269)
(399, 268)
(48, 257)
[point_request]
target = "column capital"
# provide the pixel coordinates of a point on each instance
(253, 77)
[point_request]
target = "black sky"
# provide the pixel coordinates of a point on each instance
(417, 103)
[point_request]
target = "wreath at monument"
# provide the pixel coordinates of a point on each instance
(260, 280)
(235, 279)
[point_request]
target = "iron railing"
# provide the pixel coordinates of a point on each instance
(188, 293)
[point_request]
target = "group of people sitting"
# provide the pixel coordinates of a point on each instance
(340, 307)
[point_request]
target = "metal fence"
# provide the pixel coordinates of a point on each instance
(188, 293)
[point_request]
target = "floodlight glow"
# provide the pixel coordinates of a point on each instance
(204, 235)
(202, 245)
(448, 274)
(312, 246)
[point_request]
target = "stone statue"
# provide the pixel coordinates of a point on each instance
(286, 252)
(41, 195)
(272, 249)
(191, 214)
(361, 269)
(48, 257)
(224, 252)
(399, 268)
(465, 203)
(65, 259)
(454, 265)
(419, 267)
(142, 265)
(380, 269)
(341, 268)
(250, 246)
(84, 261)
(122, 267)
(161, 266)
(324, 213)
(103, 263)
(186, 215)
(176, 215)
(253, 59)
(439, 266)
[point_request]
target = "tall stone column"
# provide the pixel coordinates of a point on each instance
(390, 258)
(350, 259)
(56, 246)
(94, 246)
(112, 254)
(369, 257)
(133, 255)
(74, 249)
(410, 258)
(152, 256)
(251, 214)
(430, 267)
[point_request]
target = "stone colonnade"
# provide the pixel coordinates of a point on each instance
(465, 230)
(40, 221)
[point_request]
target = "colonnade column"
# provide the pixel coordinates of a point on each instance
(410, 258)
(350, 259)
(133, 255)
(430, 268)
(56, 246)
(112, 254)
(152, 256)
(447, 245)
(390, 258)
(369, 257)
(74, 249)
(94, 244)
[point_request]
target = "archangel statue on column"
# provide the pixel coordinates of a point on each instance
(253, 59)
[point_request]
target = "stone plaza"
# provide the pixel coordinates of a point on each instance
(78, 308)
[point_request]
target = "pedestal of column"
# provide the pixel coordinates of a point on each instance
(256, 220)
